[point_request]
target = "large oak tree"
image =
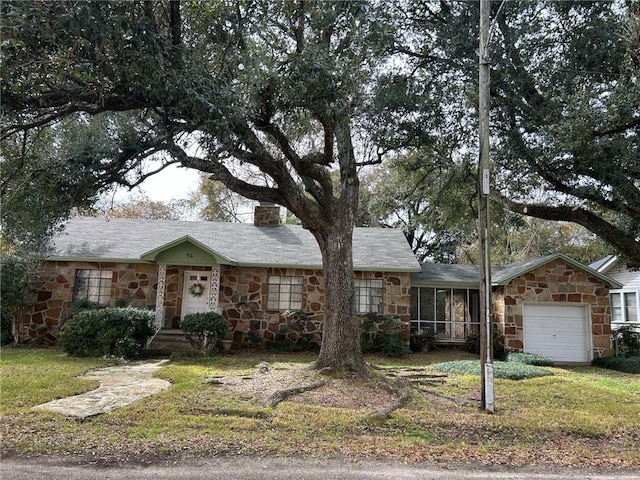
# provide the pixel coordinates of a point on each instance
(276, 87)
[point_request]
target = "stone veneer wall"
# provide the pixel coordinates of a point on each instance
(553, 282)
(52, 295)
(243, 293)
(243, 298)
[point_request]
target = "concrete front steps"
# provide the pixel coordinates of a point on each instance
(168, 341)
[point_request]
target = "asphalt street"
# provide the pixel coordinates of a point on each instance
(241, 468)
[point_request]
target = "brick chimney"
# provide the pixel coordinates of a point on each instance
(266, 215)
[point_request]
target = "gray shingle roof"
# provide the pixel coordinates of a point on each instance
(465, 275)
(446, 274)
(119, 239)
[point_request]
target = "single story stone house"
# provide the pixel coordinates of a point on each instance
(253, 273)
(553, 306)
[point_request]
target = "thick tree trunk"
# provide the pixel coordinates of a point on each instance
(340, 348)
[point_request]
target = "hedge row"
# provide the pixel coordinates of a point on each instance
(621, 364)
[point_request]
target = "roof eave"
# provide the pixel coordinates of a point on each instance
(385, 269)
(80, 258)
(443, 283)
(560, 256)
(310, 266)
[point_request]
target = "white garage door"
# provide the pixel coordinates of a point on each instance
(558, 332)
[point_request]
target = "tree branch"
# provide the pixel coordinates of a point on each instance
(221, 173)
(306, 167)
(66, 104)
(622, 204)
(605, 230)
(621, 128)
(175, 23)
(142, 178)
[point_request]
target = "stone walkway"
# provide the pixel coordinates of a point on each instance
(119, 386)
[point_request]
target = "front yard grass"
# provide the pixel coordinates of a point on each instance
(33, 376)
(578, 416)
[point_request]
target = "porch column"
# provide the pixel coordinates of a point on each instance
(162, 277)
(214, 289)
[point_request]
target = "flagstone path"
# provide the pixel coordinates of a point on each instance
(119, 386)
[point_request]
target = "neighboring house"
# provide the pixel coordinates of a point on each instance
(553, 306)
(625, 301)
(252, 273)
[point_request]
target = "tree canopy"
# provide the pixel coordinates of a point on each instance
(565, 97)
(564, 92)
(213, 201)
(428, 196)
(49, 170)
(436, 208)
(141, 206)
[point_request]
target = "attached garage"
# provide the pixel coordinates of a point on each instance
(556, 331)
(553, 305)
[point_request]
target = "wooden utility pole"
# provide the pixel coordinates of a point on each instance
(486, 353)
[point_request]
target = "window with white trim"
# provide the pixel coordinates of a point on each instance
(625, 306)
(368, 297)
(284, 293)
(93, 285)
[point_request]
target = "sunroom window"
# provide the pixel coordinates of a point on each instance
(452, 313)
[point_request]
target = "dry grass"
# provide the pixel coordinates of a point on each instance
(576, 417)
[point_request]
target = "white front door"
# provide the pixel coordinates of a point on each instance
(196, 292)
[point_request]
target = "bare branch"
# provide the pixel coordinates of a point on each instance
(377, 161)
(142, 178)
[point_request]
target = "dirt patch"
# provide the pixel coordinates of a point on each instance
(348, 392)
(343, 393)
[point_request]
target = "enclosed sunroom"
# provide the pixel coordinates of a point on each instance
(445, 299)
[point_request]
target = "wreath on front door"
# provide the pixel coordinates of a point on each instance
(196, 290)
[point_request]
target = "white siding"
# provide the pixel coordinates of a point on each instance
(625, 277)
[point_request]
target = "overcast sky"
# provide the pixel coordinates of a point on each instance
(171, 183)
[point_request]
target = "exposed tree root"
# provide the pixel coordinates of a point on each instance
(402, 390)
(458, 401)
(421, 379)
(277, 397)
